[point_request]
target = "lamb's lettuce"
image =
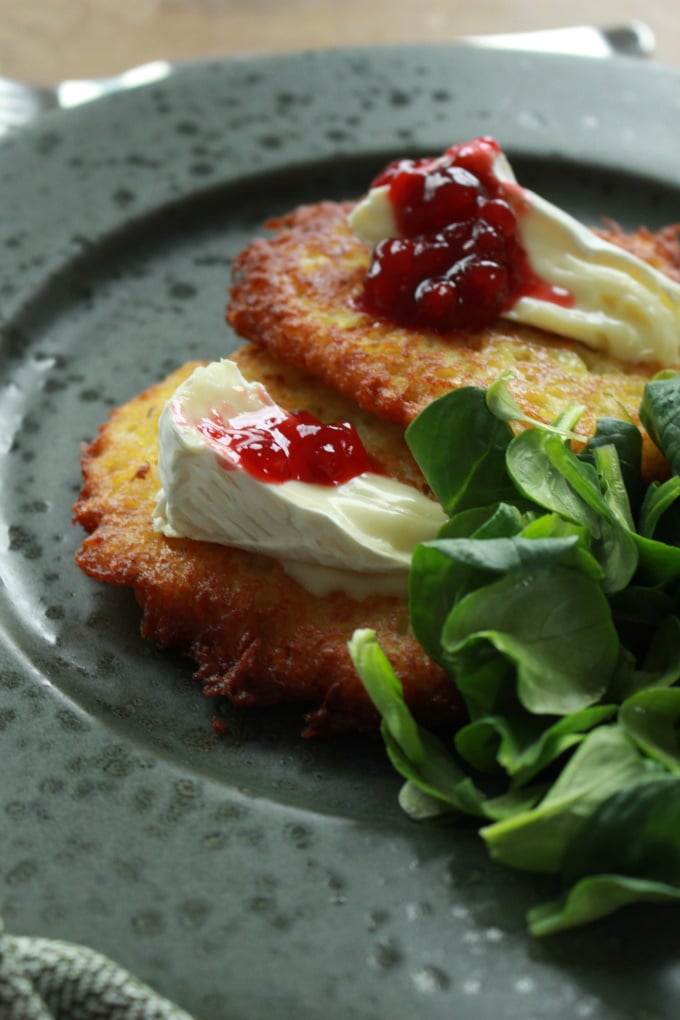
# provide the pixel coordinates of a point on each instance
(626, 851)
(563, 653)
(469, 474)
(551, 598)
(538, 840)
(659, 415)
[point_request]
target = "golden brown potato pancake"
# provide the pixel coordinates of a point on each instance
(255, 634)
(297, 294)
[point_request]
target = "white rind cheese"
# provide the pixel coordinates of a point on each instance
(357, 537)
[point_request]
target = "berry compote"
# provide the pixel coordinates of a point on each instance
(274, 445)
(458, 261)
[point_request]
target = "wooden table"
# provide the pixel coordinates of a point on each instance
(48, 40)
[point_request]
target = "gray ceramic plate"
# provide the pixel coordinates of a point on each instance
(257, 875)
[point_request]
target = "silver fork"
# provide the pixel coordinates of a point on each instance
(21, 102)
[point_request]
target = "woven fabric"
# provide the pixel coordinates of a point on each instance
(42, 979)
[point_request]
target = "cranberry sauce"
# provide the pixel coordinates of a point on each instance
(458, 261)
(273, 445)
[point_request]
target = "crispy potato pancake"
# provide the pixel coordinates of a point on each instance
(255, 634)
(298, 294)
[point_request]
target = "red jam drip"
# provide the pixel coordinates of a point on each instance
(458, 262)
(273, 445)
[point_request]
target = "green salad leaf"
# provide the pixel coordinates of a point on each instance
(563, 652)
(471, 474)
(418, 755)
(606, 761)
(551, 597)
(659, 498)
(652, 719)
(522, 744)
(595, 897)
(627, 850)
(626, 439)
(659, 415)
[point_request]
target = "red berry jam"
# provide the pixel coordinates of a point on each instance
(273, 445)
(458, 262)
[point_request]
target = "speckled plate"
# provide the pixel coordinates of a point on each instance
(258, 876)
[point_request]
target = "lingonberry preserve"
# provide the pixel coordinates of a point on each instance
(458, 261)
(273, 445)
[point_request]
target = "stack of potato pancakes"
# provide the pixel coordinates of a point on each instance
(255, 635)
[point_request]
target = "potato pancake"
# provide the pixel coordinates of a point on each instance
(298, 294)
(256, 635)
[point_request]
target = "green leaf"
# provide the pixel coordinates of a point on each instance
(503, 555)
(416, 754)
(658, 498)
(553, 624)
(613, 487)
(651, 718)
(466, 523)
(438, 776)
(596, 897)
(659, 415)
(614, 545)
(554, 741)
(540, 481)
(460, 448)
(547, 472)
(503, 406)
(658, 563)
(633, 832)
(627, 439)
(424, 807)
(505, 522)
(436, 582)
(444, 570)
(501, 520)
(552, 526)
(522, 744)
(486, 679)
(606, 761)
(385, 691)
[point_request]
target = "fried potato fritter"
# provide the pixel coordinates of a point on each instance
(255, 634)
(298, 294)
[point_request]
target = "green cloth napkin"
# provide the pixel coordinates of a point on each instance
(42, 979)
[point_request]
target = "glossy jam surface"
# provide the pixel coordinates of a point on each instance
(273, 445)
(458, 262)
